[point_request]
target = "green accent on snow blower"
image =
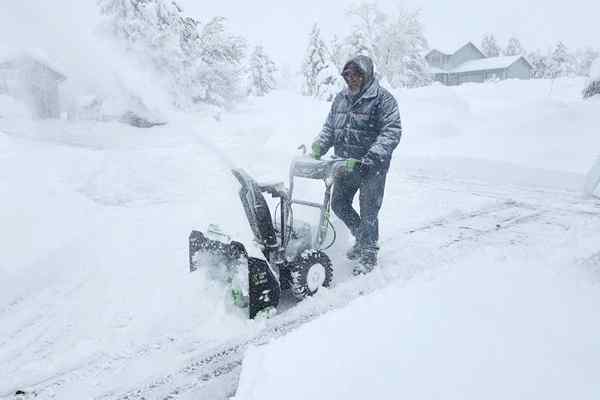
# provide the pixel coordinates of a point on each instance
(238, 298)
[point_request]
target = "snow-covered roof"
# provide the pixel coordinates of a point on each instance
(467, 45)
(487, 64)
(8, 54)
(437, 51)
(447, 52)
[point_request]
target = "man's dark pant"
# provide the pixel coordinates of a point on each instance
(364, 227)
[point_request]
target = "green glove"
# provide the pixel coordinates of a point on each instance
(352, 164)
(316, 150)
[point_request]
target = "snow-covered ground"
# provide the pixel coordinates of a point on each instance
(489, 264)
(494, 326)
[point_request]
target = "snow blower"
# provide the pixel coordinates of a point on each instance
(286, 254)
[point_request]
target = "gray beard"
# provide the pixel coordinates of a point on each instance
(354, 92)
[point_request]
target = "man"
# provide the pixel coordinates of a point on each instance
(364, 126)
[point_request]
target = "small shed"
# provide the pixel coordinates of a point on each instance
(33, 81)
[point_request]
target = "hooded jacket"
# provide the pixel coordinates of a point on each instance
(364, 126)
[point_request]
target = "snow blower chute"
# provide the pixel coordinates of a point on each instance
(287, 254)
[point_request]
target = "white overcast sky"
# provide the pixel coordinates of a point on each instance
(282, 27)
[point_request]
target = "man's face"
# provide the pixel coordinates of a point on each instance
(354, 79)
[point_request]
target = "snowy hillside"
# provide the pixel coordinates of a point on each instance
(486, 241)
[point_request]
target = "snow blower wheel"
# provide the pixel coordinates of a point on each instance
(309, 272)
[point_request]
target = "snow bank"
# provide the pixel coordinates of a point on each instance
(490, 327)
(528, 123)
(11, 53)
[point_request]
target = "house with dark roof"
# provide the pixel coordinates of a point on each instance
(32, 80)
(469, 64)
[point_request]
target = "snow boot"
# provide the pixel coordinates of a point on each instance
(366, 263)
(354, 252)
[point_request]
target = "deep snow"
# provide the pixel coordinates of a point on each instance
(492, 326)
(95, 297)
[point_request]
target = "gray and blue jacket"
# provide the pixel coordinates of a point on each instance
(364, 126)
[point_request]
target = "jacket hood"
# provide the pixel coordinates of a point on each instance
(365, 65)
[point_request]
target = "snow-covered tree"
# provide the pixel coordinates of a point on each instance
(367, 29)
(197, 63)
(513, 48)
(592, 87)
(262, 72)
(321, 77)
(339, 52)
(330, 83)
(489, 46)
(217, 61)
(358, 43)
(396, 44)
(584, 59)
(560, 63)
(315, 61)
(407, 34)
(539, 62)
